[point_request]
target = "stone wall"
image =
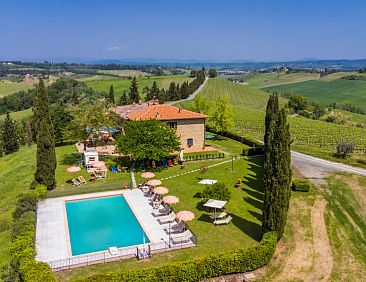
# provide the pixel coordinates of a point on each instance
(191, 128)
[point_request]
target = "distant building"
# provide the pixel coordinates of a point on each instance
(189, 126)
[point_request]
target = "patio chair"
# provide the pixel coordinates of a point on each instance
(95, 173)
(104, 174)
(165, 163)
(75, 182)
(119, 168)
(218, 216)
(167, 218)
(153, 164)
(124, 185)
(114, 169)
(223, 221)
(170, 164)
(82, 179)
(142, 166)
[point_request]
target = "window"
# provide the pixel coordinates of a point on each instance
(190, 142)
(172, 124)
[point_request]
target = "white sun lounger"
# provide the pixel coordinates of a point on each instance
(161, 212)
(180, 239)
(218, 216)
(181, 234)
(175, 227)
(223, 221)
(167, 218)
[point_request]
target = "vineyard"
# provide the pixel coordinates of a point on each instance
(304, 131)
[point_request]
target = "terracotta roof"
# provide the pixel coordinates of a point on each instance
(164, 112)
(126, 110)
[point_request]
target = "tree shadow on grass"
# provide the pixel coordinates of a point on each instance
(256, 215)
(254, 202)
(205, 218)
(255, 194)
(70, 159)
(254, 177)
(252, 229)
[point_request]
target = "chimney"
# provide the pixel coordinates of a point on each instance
(157, 114)
(179, 110)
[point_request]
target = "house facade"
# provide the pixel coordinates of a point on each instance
(189, 126)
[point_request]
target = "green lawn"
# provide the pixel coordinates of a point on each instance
(124, 73)
(262, 80)
(326, 92)
(9, 87)
(121, 84)
(244, 206)
(18, 115)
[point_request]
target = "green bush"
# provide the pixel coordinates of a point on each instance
(23, 265)
(217, 191)
(301, 185)
(225, 263)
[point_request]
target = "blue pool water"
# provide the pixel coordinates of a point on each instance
(100, 223)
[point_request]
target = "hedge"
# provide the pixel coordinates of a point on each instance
(301, 185)
(22, 248)
(225, 263)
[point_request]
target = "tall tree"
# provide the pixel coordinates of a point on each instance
(10, 142)
(277, 168)
(46, 156)
(223, 116)
(123, 100)
(154, 92)
(149, 139)
(28, 130)
(60, 119)
(134, 93)
(110, 97)
(212, 72)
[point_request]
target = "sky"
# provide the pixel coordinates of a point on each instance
(206, 30)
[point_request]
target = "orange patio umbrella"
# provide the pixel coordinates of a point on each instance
(161, 190)
(154, 182)
(148, 174)
(185, 215)
(171, 200)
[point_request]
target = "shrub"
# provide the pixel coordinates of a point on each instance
(27, 202)
(301, 185)
(217, 191)
(345, 149)
(225, 263)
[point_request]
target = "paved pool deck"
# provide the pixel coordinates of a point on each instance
(52, 235)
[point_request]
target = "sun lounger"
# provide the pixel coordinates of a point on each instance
(218, 216)
(82, 179)
(185, 233)
(104, 174)
(167, 218)
(175, 227)
(223, 221)
(161, 212)
(75, 182)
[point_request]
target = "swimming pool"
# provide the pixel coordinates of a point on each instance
(99, 223)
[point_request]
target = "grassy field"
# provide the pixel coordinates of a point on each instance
(326, 92)
(327, 242)
(8, 87)
(262, 80)
(240, 94)
(122, 84)
(124, 73)
(18, 115)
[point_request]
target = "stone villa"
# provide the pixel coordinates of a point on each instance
(189, 126)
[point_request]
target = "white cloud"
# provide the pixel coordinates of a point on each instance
(116, 48)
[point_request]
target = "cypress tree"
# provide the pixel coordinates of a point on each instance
(134, 93)
(277, 168)
(46, 157)
(154, 92)
(123, 100)
(110, 97)
(10, 142)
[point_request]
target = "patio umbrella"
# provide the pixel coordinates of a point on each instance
(154, 182)
(73, 169)
(148, 174)
(216, 204)
(161, 190)
(185, 215)
(171, 200)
